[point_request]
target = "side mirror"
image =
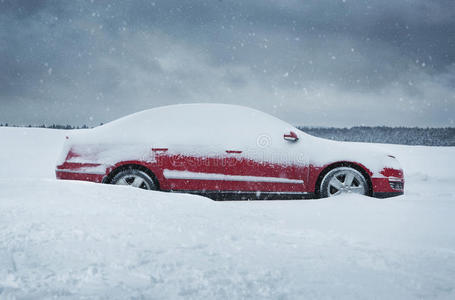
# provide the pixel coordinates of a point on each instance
(291, 136)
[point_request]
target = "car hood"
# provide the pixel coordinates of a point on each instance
(322, 152)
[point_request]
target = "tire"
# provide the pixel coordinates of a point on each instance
(343, 180)
(134, 178)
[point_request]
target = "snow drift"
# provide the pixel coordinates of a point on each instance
(63, 239)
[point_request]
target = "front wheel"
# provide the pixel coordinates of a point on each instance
(135, 178)
(343, 180)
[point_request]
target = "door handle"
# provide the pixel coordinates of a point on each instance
(233, 151)
(159, 149)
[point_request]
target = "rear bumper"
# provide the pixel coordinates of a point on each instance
(65, 175)
(85, 172)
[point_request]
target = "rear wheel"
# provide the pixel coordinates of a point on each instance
(134, 178)
(343, 180)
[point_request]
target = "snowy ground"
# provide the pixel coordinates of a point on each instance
(81, 240)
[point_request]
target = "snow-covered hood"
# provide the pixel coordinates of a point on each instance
(323, 152)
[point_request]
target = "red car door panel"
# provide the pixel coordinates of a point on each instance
(247, 174)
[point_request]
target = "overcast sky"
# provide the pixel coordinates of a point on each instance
(329, 63)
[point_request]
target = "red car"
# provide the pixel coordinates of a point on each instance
(225, 152)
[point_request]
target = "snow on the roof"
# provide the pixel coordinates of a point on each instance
(202, 124)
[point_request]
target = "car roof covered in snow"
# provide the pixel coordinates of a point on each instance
(197, 124)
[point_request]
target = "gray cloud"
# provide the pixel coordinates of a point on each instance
(336, 63)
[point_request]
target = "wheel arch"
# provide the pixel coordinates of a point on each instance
(125, 166)
(362, 169)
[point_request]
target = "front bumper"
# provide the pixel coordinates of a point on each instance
(385, 187)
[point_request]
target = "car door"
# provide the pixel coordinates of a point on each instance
(267, 163)
(198, 168)
(230, 148)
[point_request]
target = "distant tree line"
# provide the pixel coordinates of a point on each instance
(53, 126)
(444, 136)
(389, 135)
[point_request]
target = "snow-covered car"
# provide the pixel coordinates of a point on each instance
(225, 152)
